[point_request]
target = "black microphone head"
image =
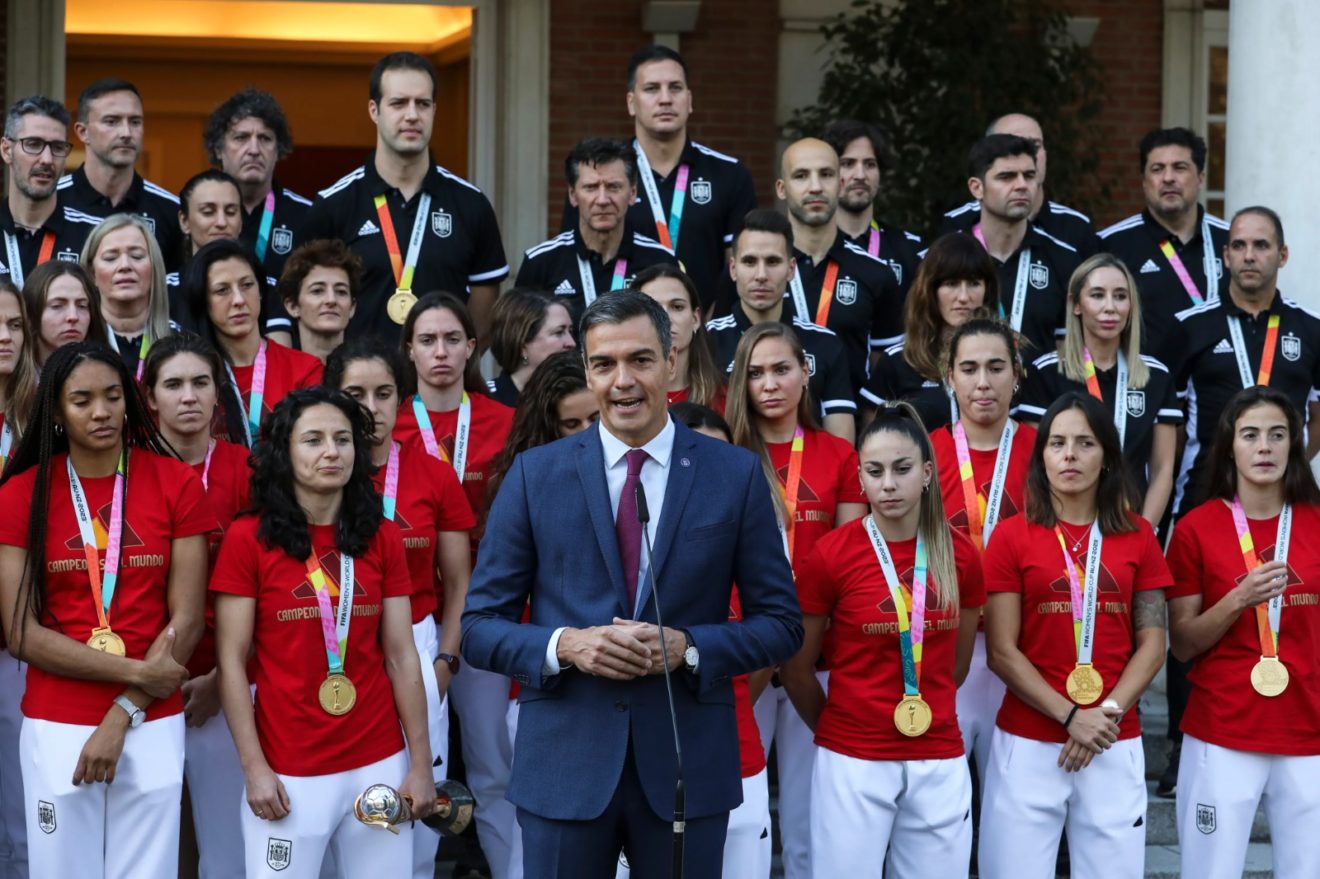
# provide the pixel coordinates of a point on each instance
(643, 514)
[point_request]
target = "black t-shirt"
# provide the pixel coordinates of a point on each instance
(1156, 403)
(1207, 373)
(285, 237)
(719, 195)
(461, 243)
(503, 390)
(1137, 241)
(1058, 220)
(893, 379)
(895, 247)
(67, 229)
(158, 206)
(866, 310)
(827, 363)
(1050, 264)
(553, 266)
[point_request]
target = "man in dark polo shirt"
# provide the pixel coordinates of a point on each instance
(690, 197)
(110, 126)
(245, 137)
(862, 154)
(1033, 266)
(416, 226)
(1173, 245)
(1056, 219)
(34, 227)
(604, 252)
(761, 268)
(837, 284)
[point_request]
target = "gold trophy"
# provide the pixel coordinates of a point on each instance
(383, 806)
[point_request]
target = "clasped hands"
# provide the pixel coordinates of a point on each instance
(621, 651)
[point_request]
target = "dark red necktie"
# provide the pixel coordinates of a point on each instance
(627, 528)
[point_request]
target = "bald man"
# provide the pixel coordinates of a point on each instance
(837, 285)
(1057, 220)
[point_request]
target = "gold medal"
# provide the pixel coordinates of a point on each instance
(107, 641)
(337, 695)
(400, 304)
(1085, 684)
(912, 716)
(1269, 677)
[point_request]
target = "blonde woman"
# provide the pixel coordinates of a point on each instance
(125, 261)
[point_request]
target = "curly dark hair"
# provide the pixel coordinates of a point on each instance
(330, 253)
(42, 442)
(536, 419)
(249, 103)
(283, 523)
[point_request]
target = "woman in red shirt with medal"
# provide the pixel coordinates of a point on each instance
(102, 587)
(181, 378)
(890, 768)
(1245, 606)
(224, 290)
(312, 592)
(423, 498)
(1075, 628)
(448, 410)
(982, 460)
(813, 481)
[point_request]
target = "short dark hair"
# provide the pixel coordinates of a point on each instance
(330, 253)
(399, 61)
(1183, 137)
(34, 105)
(766, 220)
(250, 103)
(1299, 485)
(699, 417)
(842, 132)
(992, 147)
(646, 55)
(1269, 214)
(362, 347)
(624, 305)
(100, 88)
(597, 151)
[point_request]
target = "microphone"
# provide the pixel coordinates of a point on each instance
(680, 824)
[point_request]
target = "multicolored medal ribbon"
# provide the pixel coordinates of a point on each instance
(667, 232)
(912, 715)
(1266, 353)
(267, 220)
(252, 410)
(792, 486)
(462, 433)
(1085, 686)
(391, 497)
(983, 517)
(1120, 390)
(1269, 676)
(403, 299)
(337, 693)
(103, 637)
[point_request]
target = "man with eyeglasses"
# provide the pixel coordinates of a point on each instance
(33, 149)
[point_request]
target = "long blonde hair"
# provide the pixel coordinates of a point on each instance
(1072, 363)
(158, 301)
(899, 417)
(744, 423)
(21, 386)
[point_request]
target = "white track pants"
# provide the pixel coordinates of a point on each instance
(978, 704)
(426, 840)
(795, 748)
(481, 700)
(215, 790)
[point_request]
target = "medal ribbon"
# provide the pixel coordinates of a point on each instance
(1266, 354)
(1268, 614)
(267, 220)
(403, 268)
(334, 627)
(206, 465)
(1207, 265)
(589, 278)
(6, 443)
(873, 240)
(911, 631)
(462, 433)
(667, 232)
(827, 293)
(1120, 390)
(792, 486)
(1019, 283)
(1085, 592)
(391, 496)
(981, 520)
(252, 410)
(103, 589)
(16, 260)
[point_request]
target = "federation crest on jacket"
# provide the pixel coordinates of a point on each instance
(846, 291)
(442, 223)
(1290, 346)
(701, 191)
(1039, 276)
(1136, 403)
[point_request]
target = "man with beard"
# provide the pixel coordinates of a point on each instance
(34, 148)
(110, 125)
(837, 284)
(1173, 245)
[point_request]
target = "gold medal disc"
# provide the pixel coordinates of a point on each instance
(912, 716)
(1269, 677)
(337, 695)
(400, 304)
(1085, 684)
(106, 641)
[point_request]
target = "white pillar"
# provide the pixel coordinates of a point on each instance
(1273, 148)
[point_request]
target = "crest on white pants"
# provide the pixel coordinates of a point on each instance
(279, 852)
(46, 816)
(1205, 818)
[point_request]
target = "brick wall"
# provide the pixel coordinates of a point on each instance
(732, 64)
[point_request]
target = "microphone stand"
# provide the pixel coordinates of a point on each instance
(680, 824)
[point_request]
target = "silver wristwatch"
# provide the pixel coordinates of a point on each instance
(135, 714)
(691, 658)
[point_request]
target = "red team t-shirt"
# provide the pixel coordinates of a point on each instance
(1223, 709)
(1025, 558)
(842, 579)
(829, 478)
(751, 757)
(289, 657)
(430, 500)
(983, 469)
(286, 370)
(164, 502)
(227, 484)
(717, 403)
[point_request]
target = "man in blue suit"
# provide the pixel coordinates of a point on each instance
(594, 763)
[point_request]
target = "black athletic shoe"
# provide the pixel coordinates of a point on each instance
(1168, 783)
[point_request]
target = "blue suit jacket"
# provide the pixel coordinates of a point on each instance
(550, 536)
